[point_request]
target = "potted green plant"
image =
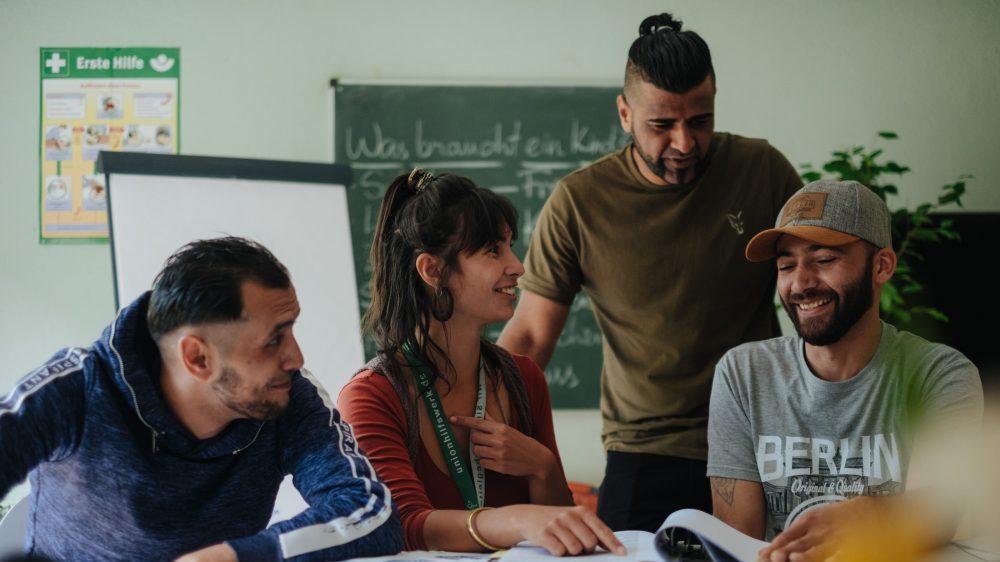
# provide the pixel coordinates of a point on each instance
(912, 229)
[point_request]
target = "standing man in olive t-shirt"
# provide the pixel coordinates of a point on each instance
(654, 233)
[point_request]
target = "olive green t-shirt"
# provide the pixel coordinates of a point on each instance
(665, 271)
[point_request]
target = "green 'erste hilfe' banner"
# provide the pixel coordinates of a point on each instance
(119, 62)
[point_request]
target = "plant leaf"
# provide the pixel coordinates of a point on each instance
(894, 168)
(937, 315)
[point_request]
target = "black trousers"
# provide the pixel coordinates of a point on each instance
(640, 490)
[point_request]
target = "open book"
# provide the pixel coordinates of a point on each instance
(719, 542)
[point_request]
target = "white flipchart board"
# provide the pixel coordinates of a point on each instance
(158, 203)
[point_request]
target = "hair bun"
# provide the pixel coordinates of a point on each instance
(654, 24)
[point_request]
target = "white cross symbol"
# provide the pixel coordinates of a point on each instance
(55, 63)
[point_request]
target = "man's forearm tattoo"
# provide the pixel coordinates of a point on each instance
(724, 488)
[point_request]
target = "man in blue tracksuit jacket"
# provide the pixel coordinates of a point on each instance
(168, 438)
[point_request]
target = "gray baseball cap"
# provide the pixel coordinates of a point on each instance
(829, 213)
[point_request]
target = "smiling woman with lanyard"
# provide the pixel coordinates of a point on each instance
(453, 424)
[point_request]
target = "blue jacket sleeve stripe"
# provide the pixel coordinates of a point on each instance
(359, 523)
(71, 361)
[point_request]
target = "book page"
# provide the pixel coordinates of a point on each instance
(639, 545)
(430, 556)
(715, 535)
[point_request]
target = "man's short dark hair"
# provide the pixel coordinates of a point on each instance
(666, 57)
(202, 283)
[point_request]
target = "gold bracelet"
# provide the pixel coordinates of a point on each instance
(470, 526)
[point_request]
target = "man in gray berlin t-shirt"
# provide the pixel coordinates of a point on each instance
(801, 422)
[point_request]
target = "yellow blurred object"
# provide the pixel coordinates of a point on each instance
(878, 538)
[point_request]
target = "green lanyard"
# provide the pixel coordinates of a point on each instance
(472, 488)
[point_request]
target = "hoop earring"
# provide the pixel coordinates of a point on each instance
(442, 305)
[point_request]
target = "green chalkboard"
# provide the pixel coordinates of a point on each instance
(517, 140)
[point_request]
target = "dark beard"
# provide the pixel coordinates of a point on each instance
(659, 168)
(857, 300)
(256, 409)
